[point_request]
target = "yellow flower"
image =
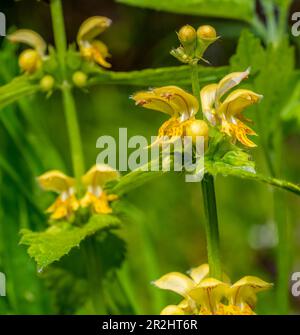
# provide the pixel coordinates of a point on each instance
(228, 113)
(208, 296)
(91, 48)
(31, 59)
(175, 102)
(66, 203)
(95, 196)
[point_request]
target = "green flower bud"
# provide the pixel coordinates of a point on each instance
(79, 79)
(47, 83)
(206, 35)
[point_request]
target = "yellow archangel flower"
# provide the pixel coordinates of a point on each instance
(228, 113)
(91, 48)
(174, 101)
(31, 59)
(66, 203)
(208, 296)
(94, 180)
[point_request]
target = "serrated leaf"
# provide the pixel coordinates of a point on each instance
(18, 88)
(249, 53)
(49, 246)
(181, 75)
(231, 9)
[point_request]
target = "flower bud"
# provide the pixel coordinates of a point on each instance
(79, 79)
(206, 32)
(47, 83)
(197, 128)
(206, 35)
(30, 61)
(187, 34)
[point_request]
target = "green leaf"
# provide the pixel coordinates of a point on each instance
(49, 246)
(230, 9)
(224, 169)
(18, 88)
(181, 75)
(249, 53)
(139, 176)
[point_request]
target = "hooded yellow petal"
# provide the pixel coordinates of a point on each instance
(199, 273)
(92, 27)
(30, 38)
(171, 100)
(245, 289)
(208, 97)
(172, 310)
(56, 181)
(176, 282)
(209, 292)
(230, 81)
(237, 101)
(100, 174)
(152, 101)
(184, 103)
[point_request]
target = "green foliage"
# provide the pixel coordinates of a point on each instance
(18, 88)
(231, 9)
(156, 77)
(49, 246)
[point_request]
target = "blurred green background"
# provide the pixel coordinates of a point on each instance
(167, 211)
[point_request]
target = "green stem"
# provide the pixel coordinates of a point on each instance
(271, 20)
(195, 84)
(74, 133)
(59, 32)
(211, 226)
(94, 271)
(209, 202)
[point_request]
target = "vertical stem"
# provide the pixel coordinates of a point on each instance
(211, 226)
(59, 32)
(195, 84)
(94, 271)
(209, 202)
(272, 30)
(74, 133)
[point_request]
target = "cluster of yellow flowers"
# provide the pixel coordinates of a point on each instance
(182, 108)
(203, 295)
(90, 47)
(95, 197)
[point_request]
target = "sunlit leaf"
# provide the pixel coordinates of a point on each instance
(181, 75)
(231, 9)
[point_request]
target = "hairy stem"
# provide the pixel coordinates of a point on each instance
(211, 226)
(94, 271)
(209, 202)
